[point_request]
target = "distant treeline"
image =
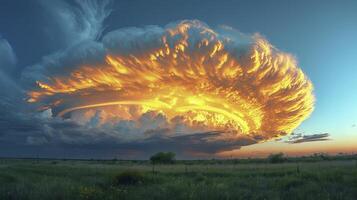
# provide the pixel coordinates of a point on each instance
(273, 158)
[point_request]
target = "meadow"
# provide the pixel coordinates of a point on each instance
(37, 179)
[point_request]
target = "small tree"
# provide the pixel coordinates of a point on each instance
(320, 156)
(163, 158)
(276, 158)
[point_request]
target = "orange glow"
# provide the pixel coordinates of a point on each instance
(263, 150)
(261, 92)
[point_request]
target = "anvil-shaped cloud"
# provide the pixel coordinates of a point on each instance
(184, 87)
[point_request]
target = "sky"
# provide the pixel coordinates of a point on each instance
(40, 40)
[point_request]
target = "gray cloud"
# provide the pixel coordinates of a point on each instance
(74, 22)
(7, 57)
(29, 132)
(75, 29)
(11, 93)
(299, 138)
(87, 52)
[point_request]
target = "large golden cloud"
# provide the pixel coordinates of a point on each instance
(191, 74)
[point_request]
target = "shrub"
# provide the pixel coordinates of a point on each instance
(200, 178)
(129, 177)
(276, 158)
(89, 193)
(320, 156)
(163, 158)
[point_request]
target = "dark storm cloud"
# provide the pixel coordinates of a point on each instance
(208, 142)
(63, 135)
(299, 138)
(39, 131)
(74, 27)
(10, 92)
(203, 144)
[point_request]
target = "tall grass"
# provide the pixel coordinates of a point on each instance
(26, 179)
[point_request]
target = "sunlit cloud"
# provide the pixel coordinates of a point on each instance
(172, 81)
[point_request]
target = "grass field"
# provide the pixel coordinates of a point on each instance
(74, 179)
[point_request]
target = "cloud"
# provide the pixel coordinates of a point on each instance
(36, 140)
(212, 142)
(11, 93)
(40, 130)
(270, 92)
(184, 87)
(49, 137)
(72, 23)
(299, 138)
(200, 144)
(7, 57)
(62, 63)
(84, 82)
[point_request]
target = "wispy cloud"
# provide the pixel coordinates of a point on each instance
(7, 57)
(299, 138)
(77, 21)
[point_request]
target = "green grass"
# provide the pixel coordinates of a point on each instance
(46, 179)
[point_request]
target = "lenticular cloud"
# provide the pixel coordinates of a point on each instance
(175, 80)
